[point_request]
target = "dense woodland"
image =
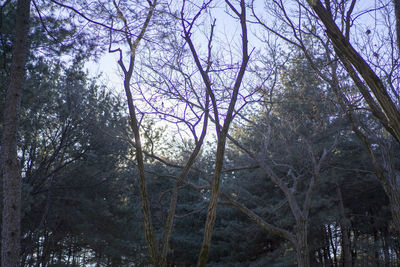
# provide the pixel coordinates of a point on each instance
(239, 133)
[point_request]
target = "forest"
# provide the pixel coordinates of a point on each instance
(231, 133)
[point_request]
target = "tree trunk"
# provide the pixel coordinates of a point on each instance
(212, 207)
(11, 216)
(386, 242)
(303, 257)
(394, 200)
(152, 247)
(174, 197)
(346, 249)
(327, 255)
(396, 4)
(348, 53)
(221, 132)
(375, 251)
(333, 245)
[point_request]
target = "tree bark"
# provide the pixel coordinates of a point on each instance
(346, 249)
(348, 53)
(394, 200)
(152, 246)
(327, 254)
(174, 197)
(333, 245)
(222, 132)
(212, 207)
(389, 184)
(303, 257)
(396, 4)
(260, 221)
(11, 224)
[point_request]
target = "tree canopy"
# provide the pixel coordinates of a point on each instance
(245, 133)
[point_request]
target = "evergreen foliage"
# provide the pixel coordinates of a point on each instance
(81, 202)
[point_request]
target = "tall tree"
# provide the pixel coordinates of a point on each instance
(222, 122)
(383, 103)
(370, 60)
(123, 24)
(387, 108)
(11, 216)
(298, 139)
(74, 192)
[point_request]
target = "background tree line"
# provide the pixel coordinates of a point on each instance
(254, 133)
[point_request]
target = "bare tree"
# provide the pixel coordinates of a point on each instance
(298, 185)
(125, 33)
(134, 123)
(159, 257)
(222, 125)
(352, 59)
(11, 217)
(385, 94)
(374, 73)
(299, 210)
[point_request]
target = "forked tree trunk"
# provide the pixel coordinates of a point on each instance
(222, 132)
(11, 228)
